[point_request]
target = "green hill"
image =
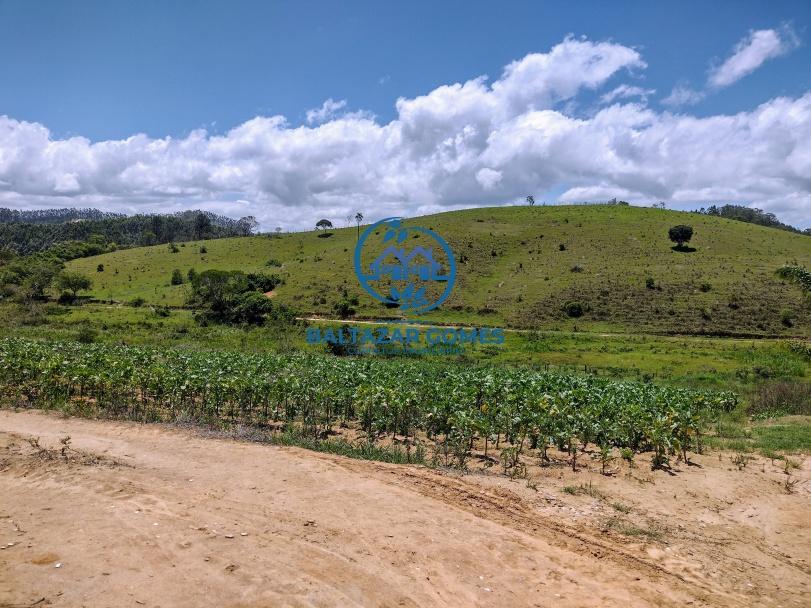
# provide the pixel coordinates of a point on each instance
(514, 272)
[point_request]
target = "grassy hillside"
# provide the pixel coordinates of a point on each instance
(513, 272)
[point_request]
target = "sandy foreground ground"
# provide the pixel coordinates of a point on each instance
(139, 515)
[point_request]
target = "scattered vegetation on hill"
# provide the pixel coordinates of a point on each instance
(529, 281)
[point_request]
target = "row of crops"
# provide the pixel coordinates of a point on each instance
(462, 408)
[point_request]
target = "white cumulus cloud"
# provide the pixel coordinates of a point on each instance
(462, 144)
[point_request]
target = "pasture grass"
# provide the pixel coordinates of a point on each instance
(722, 363)
(511, 271)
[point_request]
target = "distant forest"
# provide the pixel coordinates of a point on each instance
(71, 233)
(750, 215)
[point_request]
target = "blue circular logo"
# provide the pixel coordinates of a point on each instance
(405, 267)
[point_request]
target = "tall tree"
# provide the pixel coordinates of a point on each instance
(358, 220)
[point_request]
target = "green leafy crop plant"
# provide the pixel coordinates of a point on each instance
(464, 408)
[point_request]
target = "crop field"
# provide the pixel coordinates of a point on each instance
(518, 408)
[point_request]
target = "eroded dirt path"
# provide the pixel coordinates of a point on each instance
(154, 516)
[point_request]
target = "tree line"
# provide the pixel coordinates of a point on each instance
(27, 232)
(750, 215)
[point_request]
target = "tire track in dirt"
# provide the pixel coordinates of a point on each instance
(505, 508)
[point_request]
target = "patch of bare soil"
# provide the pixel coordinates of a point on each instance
(138, 515)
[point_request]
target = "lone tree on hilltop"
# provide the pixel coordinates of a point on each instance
(323, 224)
(73, 282)
(680, 235)
(531, 200)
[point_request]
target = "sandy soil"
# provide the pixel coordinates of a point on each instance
(135, 515)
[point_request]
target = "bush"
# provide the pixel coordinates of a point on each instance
(801, 348)
(177, 277)
(100, 268)
(86, 335)
(705, 287)
(344, 309)
(161, 311)
(203, 250)
(573, 309)
(273, 263)
(785, 318)
(797, 274)
(650, 283)
(576, 268)
(250, 307)
(137, 302)
(561, 247)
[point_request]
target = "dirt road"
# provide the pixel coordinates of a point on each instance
(135, 515)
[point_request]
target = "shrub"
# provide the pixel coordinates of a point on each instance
(801, 348)
(561, 247)
(344, 309)
(177, 277)
(100, 268)
(573, 309)
(86, 335)
(203, 249)
(576, 268)
(705, 287)
(650, 283)
(250, 307)
(785, 318)
(273, 263)
(173, 248)
(137, 302)
(797, 274)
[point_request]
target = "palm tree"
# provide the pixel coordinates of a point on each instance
(358, 220)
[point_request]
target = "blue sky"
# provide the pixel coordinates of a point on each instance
(105, 71)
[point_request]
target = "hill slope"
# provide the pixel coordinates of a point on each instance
(512, 271)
